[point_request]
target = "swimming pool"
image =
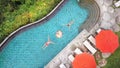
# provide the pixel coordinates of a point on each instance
(25, 50)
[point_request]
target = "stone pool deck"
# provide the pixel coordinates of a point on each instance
(110, 15)
(109, 19)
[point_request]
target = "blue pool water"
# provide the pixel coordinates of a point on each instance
(25, 50)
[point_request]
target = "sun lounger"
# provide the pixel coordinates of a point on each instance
(117, 4)
(77, 51)
(89, 46)
(71, 57)
(98, 31)
(92, 39)
(62, 65)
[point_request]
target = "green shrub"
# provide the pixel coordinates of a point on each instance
(17, 13)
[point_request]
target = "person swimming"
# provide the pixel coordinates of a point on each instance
(69, 24)
(46, 44)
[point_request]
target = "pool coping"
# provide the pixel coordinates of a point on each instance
(31, 25)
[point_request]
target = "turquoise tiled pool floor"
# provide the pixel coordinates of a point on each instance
(25, 50)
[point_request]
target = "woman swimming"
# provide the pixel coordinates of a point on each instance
(46, 44)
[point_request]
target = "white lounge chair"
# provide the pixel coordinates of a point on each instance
(77, 51)
(98, 31)
(89, 46)
(117, 4)
(62, 65)
(71, 58)
(92, 39)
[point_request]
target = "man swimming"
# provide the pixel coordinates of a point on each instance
(69, 24)
(46, 44)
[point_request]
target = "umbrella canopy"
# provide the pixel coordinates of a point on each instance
(107, 41)
(84, 60)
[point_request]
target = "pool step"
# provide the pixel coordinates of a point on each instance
(94, 13)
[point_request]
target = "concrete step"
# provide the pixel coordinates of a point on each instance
(94, 13)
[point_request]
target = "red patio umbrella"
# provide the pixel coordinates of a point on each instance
(107, 41)
(84, 60)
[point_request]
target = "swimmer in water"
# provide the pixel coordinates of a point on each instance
(69, 24)
(46, 44)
